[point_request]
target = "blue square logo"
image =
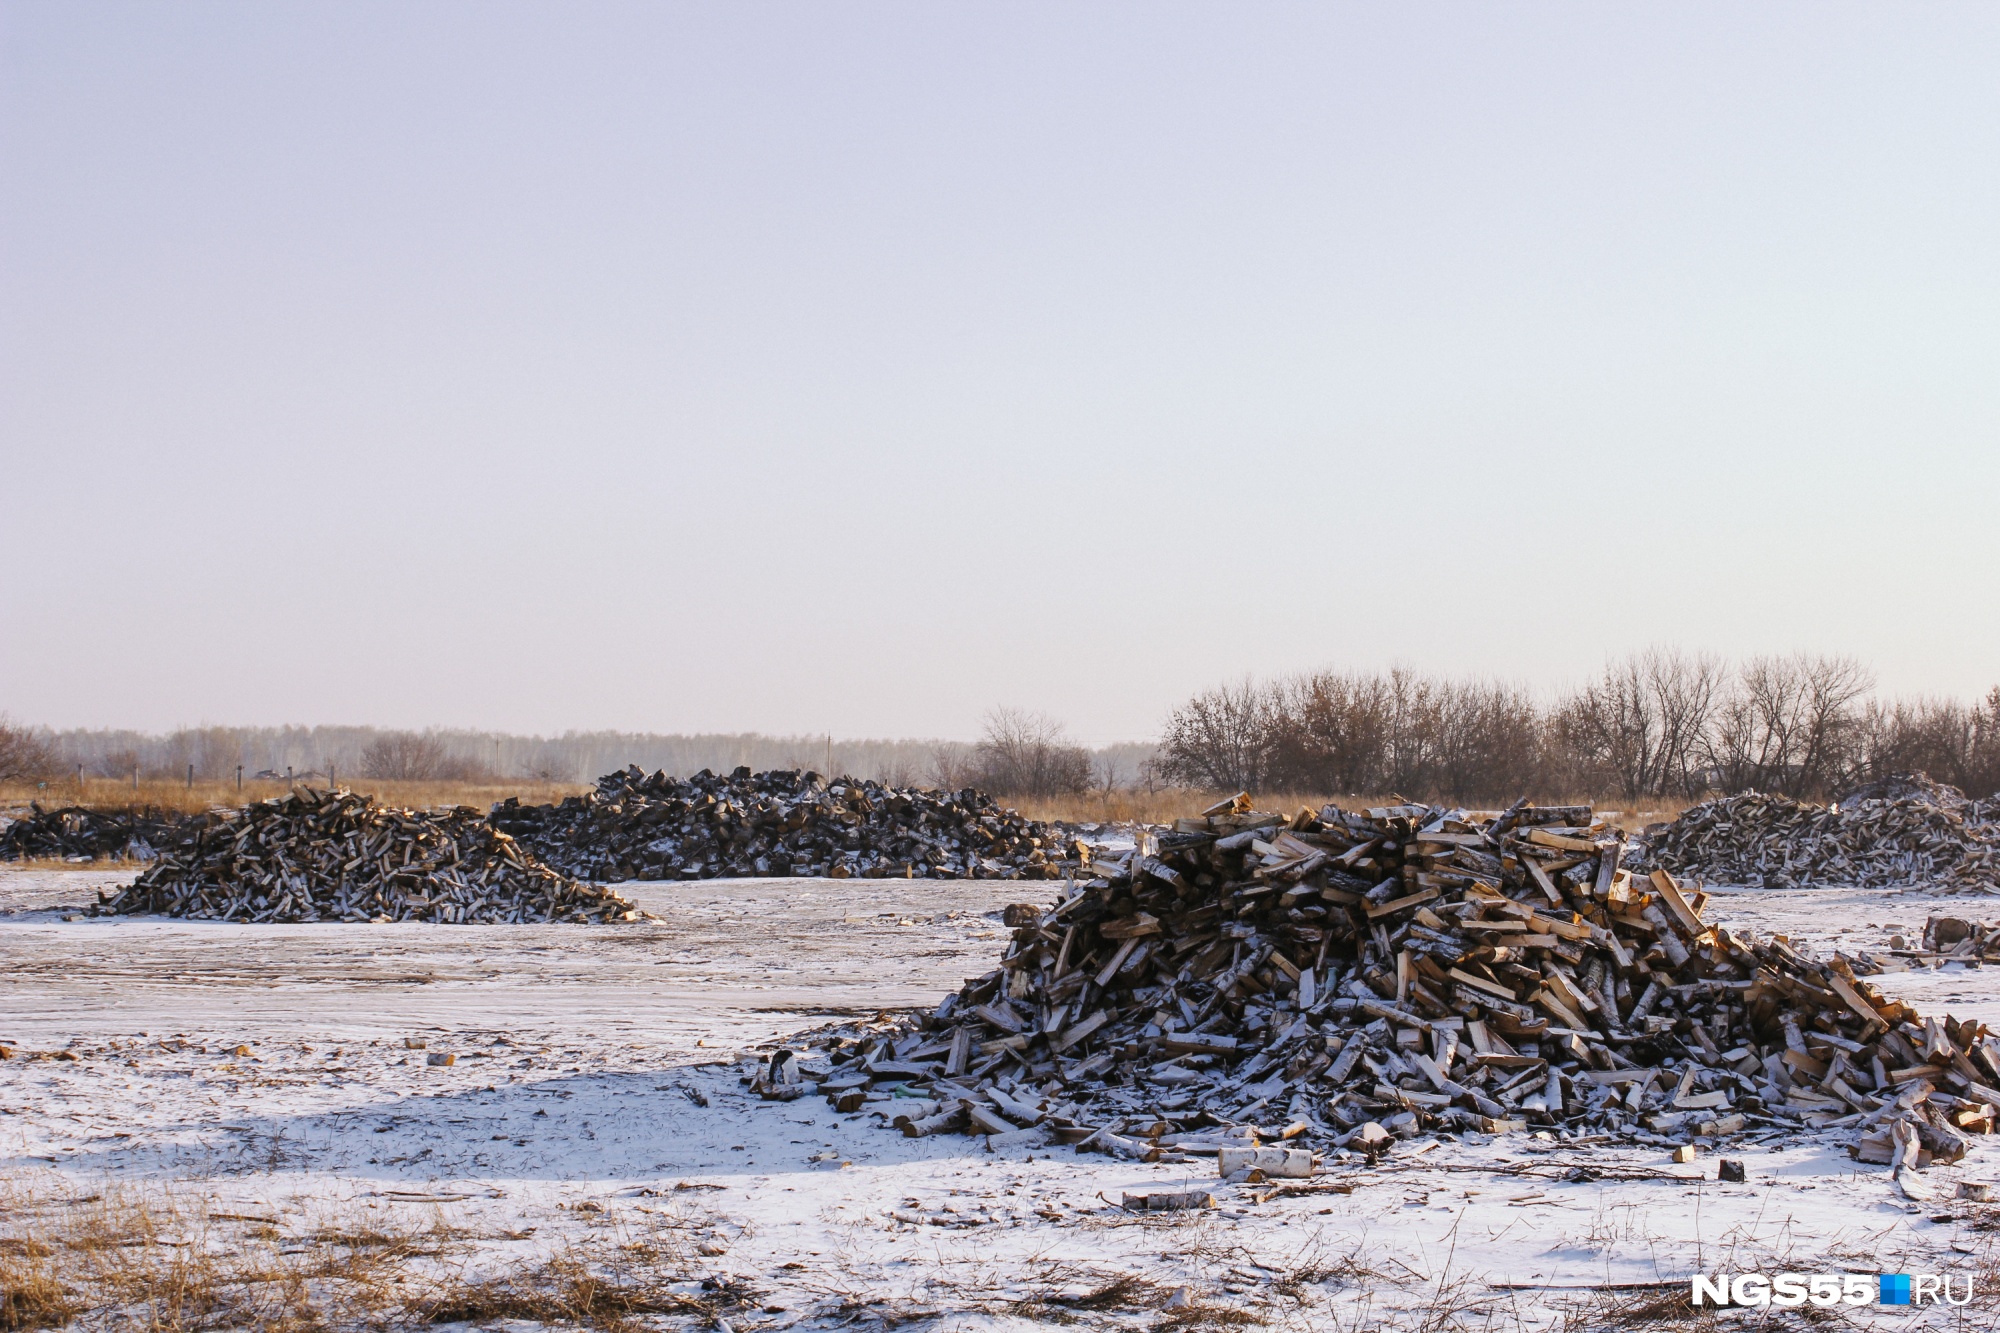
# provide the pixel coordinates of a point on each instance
(1895, 1289)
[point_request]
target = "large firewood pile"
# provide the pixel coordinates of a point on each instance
(1913, 832)
(77, 831)
(338, 856)
(1342, 980)
(784, 822)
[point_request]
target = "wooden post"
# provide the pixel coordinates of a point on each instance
(190, 777)
(239, 778)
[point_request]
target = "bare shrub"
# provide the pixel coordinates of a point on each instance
(415, 756)
(25, 755)
(118, 764)
(1029, 755)
(550, 766)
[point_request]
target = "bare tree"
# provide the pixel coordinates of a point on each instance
(1640, 727)
(1219, 739)
(1328, 732)
(1415, 712)
(1488, 742)
(1982, 765)
(1953, 742)
(1790, 725)
(1027, 754)
(25, 755)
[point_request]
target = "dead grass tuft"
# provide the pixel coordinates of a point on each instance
(565, 1290)
(151, 1259)
(373, 1246)
(31, 1295)
(1206, 1316)
(1670, 1309)
(1124, 1293)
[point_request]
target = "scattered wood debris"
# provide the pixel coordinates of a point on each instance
(1907, 831)
(1946, 939)
(1344, 980)
(76, 832)
(1951, 938)
(337, 856)
(783, 822)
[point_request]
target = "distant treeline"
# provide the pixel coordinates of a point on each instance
(1660, 724)
(472, 756)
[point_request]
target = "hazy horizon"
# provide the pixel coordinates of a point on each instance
(859, 368)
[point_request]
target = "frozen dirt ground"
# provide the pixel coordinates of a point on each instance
(272, 1075)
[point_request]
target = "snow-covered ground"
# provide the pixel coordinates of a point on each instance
(272, 1077)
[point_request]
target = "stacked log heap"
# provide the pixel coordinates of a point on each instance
(1347, 979)
(338, 856)
(1905, 832)
(77, 831)
(783, 822)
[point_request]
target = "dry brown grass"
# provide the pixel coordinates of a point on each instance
(155, 1260)
(110, 794)
(566, 1289)
(1639, 1310)
(32, 1295)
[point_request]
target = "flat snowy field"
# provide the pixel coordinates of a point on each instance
(237, 1087)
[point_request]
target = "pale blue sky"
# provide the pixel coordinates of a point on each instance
(857, 367)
